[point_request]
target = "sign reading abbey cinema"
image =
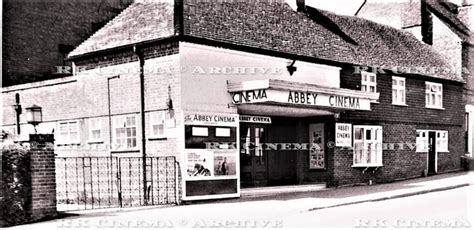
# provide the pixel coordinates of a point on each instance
(293, 93)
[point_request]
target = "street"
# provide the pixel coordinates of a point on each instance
(436, 209)
(448, 207)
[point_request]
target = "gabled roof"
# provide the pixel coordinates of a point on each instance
(138, 23)
(274, 26)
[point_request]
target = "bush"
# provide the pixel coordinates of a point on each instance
(15, 199)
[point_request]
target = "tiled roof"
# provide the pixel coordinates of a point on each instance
(273, 25)
(137, 23)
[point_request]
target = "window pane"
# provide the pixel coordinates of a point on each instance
(95, 134)
(73, 136)
(394, 95)
(358, 133)
(369, 153)
(394, 82)
(372, 78)
(368, 134)
(364, 88)
(358, 148)
(401, 96)
(372, 89)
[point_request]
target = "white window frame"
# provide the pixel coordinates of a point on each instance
(66, 138)
(115, 125)
(158, 118)
(366, 82)
(421, 140)
(399, 90)
(434, 90)
(375, 144)
(442, 140)
(98, 123)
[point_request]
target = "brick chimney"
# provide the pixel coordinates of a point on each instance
(300, 6)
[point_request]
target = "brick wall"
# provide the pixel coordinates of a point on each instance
(43, 180)
(33, 30)
(84, 96)
(399, 126)
(415, 111)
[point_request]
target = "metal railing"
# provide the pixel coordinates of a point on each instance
(107, 182)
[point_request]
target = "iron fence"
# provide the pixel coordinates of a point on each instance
(107, 182)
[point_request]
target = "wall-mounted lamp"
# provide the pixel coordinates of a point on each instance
(34, 115)
(291, 68)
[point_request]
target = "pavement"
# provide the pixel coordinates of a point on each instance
(267, 208)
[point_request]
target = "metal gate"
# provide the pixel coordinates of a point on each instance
(107, 182)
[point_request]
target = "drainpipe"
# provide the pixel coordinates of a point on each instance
(110, 112)
(141, 59)
(17, 108)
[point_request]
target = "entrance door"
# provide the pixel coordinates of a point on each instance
(253, 160)
(432, 153)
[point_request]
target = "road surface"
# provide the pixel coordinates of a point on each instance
(448, 208)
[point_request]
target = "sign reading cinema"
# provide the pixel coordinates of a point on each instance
(300, 98)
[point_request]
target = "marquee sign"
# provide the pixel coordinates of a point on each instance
(293, 93)
(300, 98)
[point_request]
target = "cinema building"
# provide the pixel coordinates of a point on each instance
(271, 77)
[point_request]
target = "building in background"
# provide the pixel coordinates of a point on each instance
(38, 35)
(208, 82)
(445, 25)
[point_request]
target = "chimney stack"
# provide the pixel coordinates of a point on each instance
(300, 6)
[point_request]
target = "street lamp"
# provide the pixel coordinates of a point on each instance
(34, 115)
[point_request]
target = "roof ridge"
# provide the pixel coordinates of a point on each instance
(116, 17)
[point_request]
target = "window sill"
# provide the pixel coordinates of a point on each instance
(95, 141)
(125, 151)
(67, 144)
(435, 108)
(366, 166)
(157, 138)
(404, 105)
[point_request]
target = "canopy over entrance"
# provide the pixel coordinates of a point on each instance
(284, 96)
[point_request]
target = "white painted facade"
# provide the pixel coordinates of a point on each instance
(206, 72)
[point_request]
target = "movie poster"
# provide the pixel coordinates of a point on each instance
(224, 163)
(199, 163)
